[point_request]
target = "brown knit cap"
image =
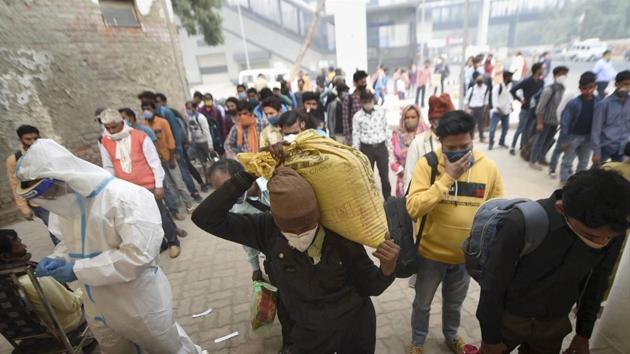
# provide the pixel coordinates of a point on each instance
(293, 202)
(439, 106)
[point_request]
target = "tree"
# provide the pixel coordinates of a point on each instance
(201, 17)
(308, 39)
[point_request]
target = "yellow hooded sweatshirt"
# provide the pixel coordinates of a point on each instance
(451, 207)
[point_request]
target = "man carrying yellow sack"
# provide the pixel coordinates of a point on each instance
(325, 280)
(466, 179)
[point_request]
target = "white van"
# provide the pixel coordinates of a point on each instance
(273, 77)
(587, 50)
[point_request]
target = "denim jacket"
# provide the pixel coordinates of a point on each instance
(611, 125)
(570, 116)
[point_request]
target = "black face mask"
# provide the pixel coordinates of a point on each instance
(361, 87)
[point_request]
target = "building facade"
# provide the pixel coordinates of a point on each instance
(60, 60)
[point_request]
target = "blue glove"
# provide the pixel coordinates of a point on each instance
(64, 274)
(47, 265)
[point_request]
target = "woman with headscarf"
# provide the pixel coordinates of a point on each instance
(411, 125)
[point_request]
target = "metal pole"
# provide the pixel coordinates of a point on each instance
(240, 20)
(463, 66)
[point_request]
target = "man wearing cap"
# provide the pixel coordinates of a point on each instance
(129, 154)
(324, 280)
(502, 99)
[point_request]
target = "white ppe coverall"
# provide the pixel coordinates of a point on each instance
(111, 230)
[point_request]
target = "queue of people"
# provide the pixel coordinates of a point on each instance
(112, 221)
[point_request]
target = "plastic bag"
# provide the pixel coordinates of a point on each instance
(264, 306)
(343, 181)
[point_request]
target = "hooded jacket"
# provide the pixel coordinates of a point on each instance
(450, 206)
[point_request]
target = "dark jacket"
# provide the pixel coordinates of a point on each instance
(546, 283)
(571, 114)
(321, 296)
(530, 87)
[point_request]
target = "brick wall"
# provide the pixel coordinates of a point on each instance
(59, 62)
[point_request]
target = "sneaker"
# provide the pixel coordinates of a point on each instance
(490, 146)
(190, 209)
(181, 232)
(503, 146)
(174, 251)
(412, 281)
(553, 174)
(204, 188)
(197, 198)
(456, 346)
(512, 152)
(412, 349)
(535, 166)
(179, 217)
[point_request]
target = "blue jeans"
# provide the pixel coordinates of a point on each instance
(542, 142)
(455, 281)
(555, 157)
(523, 123)
(611, 154)
(580, 146)
(43, 214)
(505, 125)
(188, 180)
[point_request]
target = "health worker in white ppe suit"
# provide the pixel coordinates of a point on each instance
(111, 234)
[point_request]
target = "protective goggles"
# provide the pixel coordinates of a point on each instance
(45, 188)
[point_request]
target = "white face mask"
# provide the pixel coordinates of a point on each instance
(302, 241)
(66, 205)
(561, 79)
(586, 241)
(290, 138)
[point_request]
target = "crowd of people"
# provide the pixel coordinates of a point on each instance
(109, 223)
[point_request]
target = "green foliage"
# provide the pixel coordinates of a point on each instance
(201, 17)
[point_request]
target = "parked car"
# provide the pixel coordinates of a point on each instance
(587, 50)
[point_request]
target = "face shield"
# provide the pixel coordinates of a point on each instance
(53, 195)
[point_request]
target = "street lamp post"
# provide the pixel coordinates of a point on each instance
(240, 20)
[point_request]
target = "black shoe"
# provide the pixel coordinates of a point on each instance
(490, 146)
(503, 146)
(204, 188)
(197, 198)
(512, 152)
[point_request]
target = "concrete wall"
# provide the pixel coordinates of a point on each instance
(59, 62)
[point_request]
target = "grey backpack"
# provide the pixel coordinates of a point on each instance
(484, 230)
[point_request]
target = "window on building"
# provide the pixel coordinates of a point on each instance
(393, 35)
(119, 13)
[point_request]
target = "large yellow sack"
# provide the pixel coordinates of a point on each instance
(349, 201)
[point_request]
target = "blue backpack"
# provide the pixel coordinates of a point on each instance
(484, 230)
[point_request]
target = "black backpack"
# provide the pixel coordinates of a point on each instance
(400, 227)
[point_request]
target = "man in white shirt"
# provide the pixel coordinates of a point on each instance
(477, 99)
(129, 154)
(516, 66)
(502, 100)
(370, 135)
(605, 73)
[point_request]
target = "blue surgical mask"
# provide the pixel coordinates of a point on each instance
(242, 95)
(273, 120)
(189, 112)
(148, 115)
(454, 156)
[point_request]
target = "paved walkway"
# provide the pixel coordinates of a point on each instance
(212, 273)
